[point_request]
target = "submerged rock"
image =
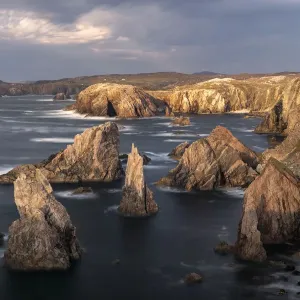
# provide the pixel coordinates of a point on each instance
(111, 100)
(82, 190)
(178, 152)
(181, 121)
(224, 248)
(137, 199)
(218, 160)
(44, 237)
(61, 96)
(94, 156)
(193, 278)
(271, 212)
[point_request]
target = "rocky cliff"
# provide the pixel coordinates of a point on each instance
(137, 198)
(94, 156)
(271, 212)
(218, 160)
(44, 237)
(124, 101)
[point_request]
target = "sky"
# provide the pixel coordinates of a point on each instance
(52, 39)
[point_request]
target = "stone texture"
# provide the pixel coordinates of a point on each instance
(44, 237)
(193, 278)
(61, 96)
(124, 101)
(181, 121)
(271, 212)
(178, 152)
(218, 160)
(94, 156)
(137, 199)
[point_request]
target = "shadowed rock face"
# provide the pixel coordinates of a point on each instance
(271, 212)
(273, 121)
(288, 152)
(124, 101)
(218, 160)
(137, 199)
(94, 156)
(44, 237)
(178, 152)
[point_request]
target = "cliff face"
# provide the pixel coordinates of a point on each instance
(218, 160)
(117, 100)
(271, 212)
(44, 237)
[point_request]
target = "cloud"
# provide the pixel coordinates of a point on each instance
(22, 25)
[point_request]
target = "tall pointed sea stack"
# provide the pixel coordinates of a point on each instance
(137, 198)
(44, 237)
(271, 212)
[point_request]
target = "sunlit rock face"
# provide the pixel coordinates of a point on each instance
(271, 212)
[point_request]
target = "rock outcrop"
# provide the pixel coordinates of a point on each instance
(288, 152)
(146, 159)
(181, 121)
(125, 101)
(44, 237)
(273, 121)
(61, 96)
(218, 160)
(178, 152)
(137, 199)
(94, 156)
(271, 212)
(168, 112)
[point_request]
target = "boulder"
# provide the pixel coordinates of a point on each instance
(223, 248)
(94, 156)
(218, 160)
(273, 121)
(178, 152)
(271, 212)
(181, 121)
(61, 96)
(125, 101)
(193, 278)
(137, 199)
(82, 190)
(44, 237)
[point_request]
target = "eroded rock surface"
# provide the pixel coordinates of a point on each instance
(271, 212)
(181, 121)
(124, 101)
(94, 156)
(137, 199)
(178, 152)
(44, 237)
(218, 160)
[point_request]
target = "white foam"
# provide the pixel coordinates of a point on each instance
(113, 208)
(113, 191)
(176, 141)
(259, 148)
(69, 194)
(158, 156)
(155, 167)
(243, 129)
(53, 140)
(44, 100)
(171, 189)
(167, 134)
(233, 192)
(71, 115)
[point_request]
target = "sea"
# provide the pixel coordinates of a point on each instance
(154, 254)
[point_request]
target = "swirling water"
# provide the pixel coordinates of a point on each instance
(156, 253)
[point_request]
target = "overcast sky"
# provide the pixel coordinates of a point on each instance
(51, 39)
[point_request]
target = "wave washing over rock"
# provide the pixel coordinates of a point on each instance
(94, 156)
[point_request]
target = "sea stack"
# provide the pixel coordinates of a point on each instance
(271, 212)
(44, 237)
(137, 199)
(61, 96)
(94, 156)
(218, 160)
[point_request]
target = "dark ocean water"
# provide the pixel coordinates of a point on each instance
(155, 253)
